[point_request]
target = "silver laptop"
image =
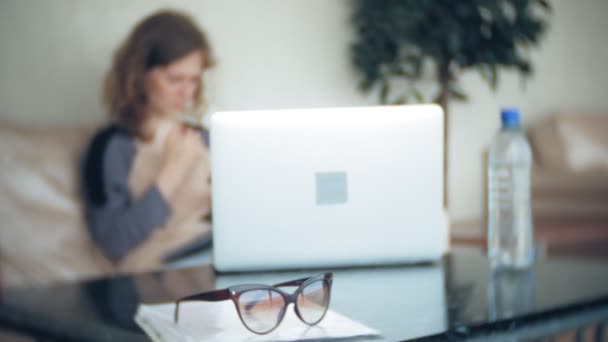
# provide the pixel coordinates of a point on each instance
(329, 187)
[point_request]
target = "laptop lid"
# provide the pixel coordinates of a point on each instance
(309, 188)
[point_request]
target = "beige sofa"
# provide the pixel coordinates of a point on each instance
(43, 237)
(570, 174)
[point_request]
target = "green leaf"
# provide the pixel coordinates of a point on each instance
(366, 85)
(493, 77)
(456, 92)
(402, 72)
(384, 92)
(484, 72)
(401, 100)
(545, 5)
(418, 95)
(489, 73)
(417, 63)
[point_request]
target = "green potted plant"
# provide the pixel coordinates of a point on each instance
(404, 43)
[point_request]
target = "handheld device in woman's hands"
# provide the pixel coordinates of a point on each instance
(191, 122)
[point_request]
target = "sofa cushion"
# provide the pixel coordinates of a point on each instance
(567, 194)
(547, 145)
(569, 141)
(585, 141)
(43, 237)
(570, 174)
(559, 182)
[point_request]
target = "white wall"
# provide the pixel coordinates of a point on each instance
(277, 53)
(271, 53)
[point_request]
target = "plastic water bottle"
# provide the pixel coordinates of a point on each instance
(510, 227)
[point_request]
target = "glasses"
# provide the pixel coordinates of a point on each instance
(261, 308)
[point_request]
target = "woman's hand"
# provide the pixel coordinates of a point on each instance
(183, 148)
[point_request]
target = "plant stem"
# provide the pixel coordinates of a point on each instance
(444, 77)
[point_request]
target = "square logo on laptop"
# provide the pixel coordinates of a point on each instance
(331, 188)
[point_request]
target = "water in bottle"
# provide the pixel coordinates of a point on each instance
(510, 227)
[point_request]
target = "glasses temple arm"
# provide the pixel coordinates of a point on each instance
(213, 296)
(297, 282)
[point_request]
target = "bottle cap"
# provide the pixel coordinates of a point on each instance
(510, 117)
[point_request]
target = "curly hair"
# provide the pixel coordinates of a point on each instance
(157, 40)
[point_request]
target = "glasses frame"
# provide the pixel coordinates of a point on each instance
(234, 292)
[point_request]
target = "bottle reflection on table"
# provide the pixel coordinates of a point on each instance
(510, 293)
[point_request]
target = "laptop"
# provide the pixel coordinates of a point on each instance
(327, 187)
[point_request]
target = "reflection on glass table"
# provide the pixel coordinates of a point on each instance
(457, 299)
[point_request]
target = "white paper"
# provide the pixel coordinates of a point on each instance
(219, 321)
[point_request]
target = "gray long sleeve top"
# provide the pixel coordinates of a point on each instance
(117, 221)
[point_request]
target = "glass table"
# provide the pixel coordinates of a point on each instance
(459, 298)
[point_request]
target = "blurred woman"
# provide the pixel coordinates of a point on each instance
(145, 175)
